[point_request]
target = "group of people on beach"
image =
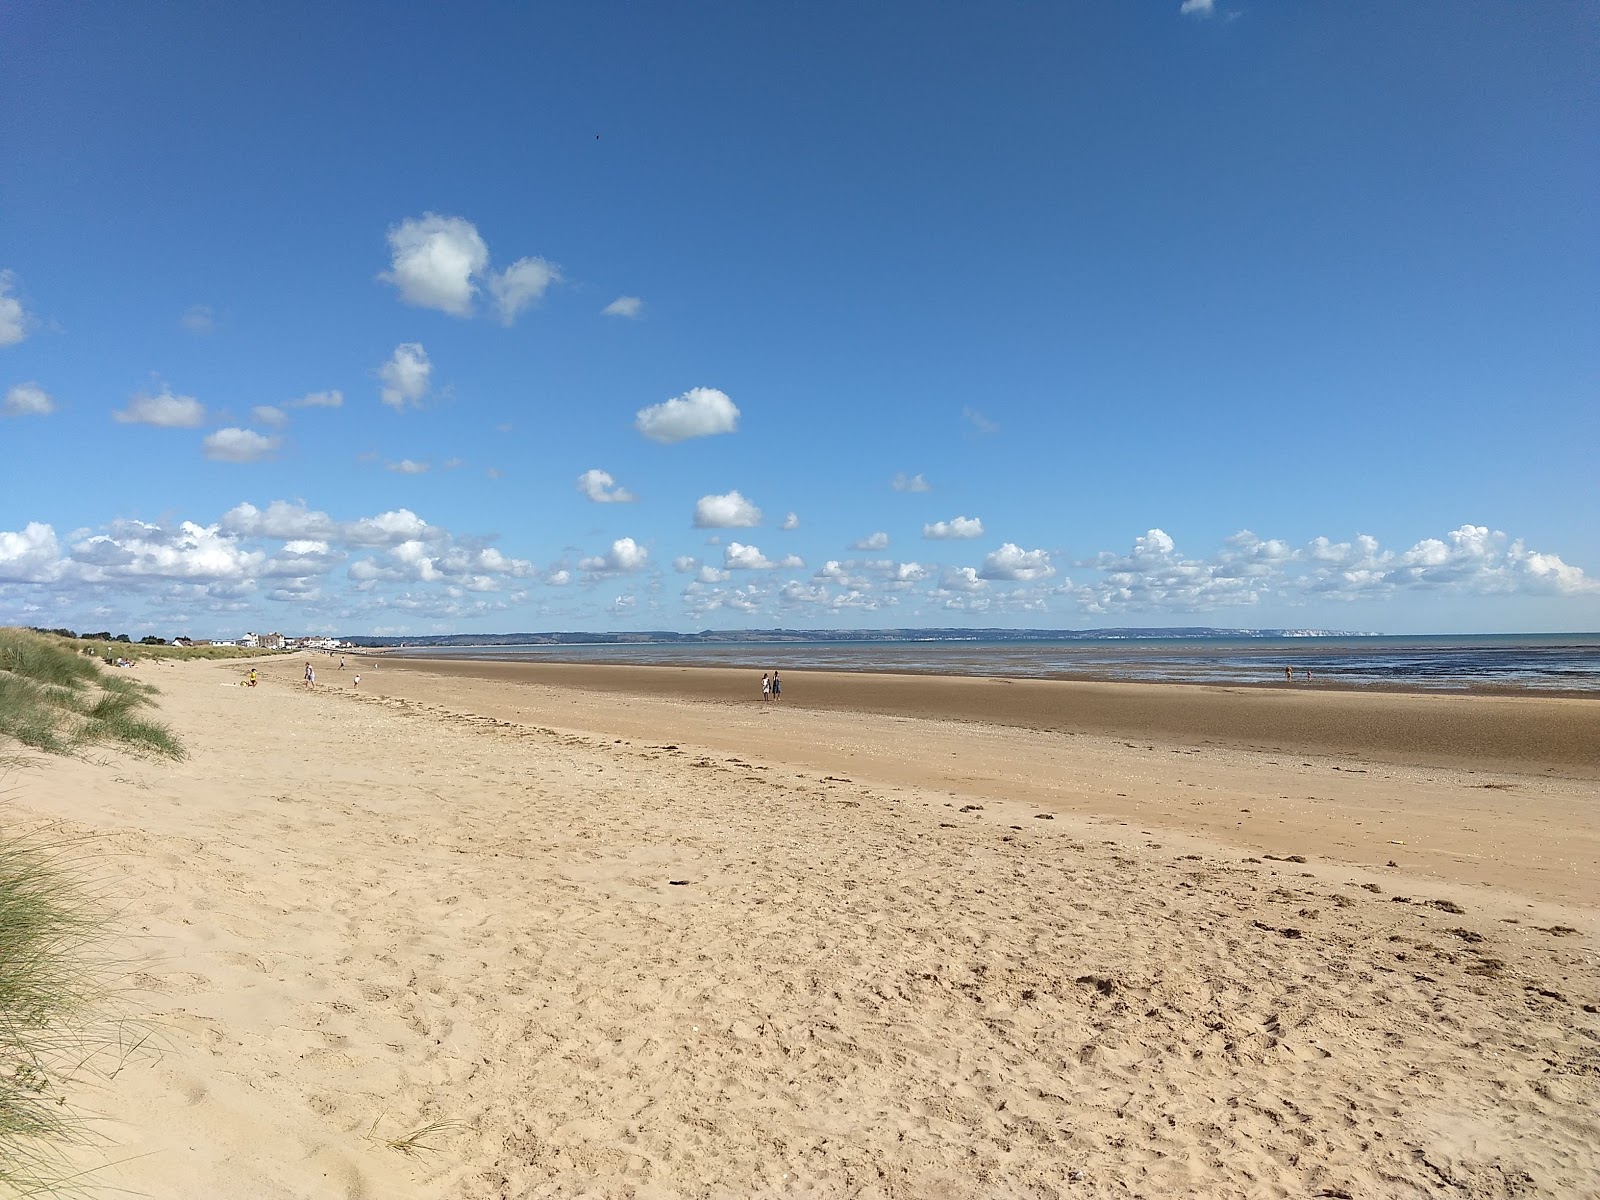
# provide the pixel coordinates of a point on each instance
(771, 687)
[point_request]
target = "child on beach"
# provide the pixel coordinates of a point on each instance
(358, 678)
(766, 687)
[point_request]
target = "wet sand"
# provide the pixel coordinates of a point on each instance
(1539, 734)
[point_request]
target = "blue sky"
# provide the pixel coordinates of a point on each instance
(1049, 315)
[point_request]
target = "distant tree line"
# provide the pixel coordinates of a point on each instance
(104, 635)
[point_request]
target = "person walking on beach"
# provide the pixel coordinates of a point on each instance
(777, 687)
(766, 687)
(1288, 674)
(311, 677)
(358, 678)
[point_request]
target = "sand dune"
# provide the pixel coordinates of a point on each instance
(634, 945)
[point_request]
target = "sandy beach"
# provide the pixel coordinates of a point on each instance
(630, 932)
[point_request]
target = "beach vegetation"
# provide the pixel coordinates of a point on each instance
(413, 1142)
(55, 699)
(54, 1028)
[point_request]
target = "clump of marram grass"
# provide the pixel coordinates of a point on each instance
(55, 699)
(53, 1028)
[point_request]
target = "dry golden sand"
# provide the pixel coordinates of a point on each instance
(879, 972)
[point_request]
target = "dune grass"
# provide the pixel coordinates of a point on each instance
(57, 699)
(139, 652)
(51, 1023)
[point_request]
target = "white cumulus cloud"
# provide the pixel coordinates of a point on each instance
(910, 483)
(30, 555)
(1012, 562)
(790, 521)
(269, 414)
(962, 579)
(699, 412)
(623, 306)
(13, 321)
(239, 445)
(1197, 8)
(600, 487)
(26, 400)
(523, 283)
(729, 511)
(434, 261)
(736, 556)
(959, 527)
(407, 467)
(405, 376)
(873, 541)
(624, 555)
(163, 409)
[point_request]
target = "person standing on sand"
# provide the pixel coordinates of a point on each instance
(358, 678)
(777, 687)
(1288, 674)
(766, 687)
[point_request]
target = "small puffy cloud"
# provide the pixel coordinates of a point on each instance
(834, 571)
(910, 483)
(434, 261)
(198, 319)
(623, 605)
(623, 306)
(958, 527)
(523, 283)
(790, 521)
(962, 579)
(980, 424)
(329, 399)
(729, 511)
(600, 487)
(163, 409)
(390, 529)
(452, 464)
(624, 555)
(1012, 562)
(699, 412)
(709, 574)
(407, 467)
(736, 556)
(685, 564)
(873, 541)
(1198, 9)
(239, 445)
(27, 400)
(13, 321)
(405, 376)
(269, 414)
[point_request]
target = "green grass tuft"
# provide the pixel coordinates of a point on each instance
(55, 699)
(50, 925)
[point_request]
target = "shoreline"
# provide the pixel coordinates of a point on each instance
(1549, 735)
